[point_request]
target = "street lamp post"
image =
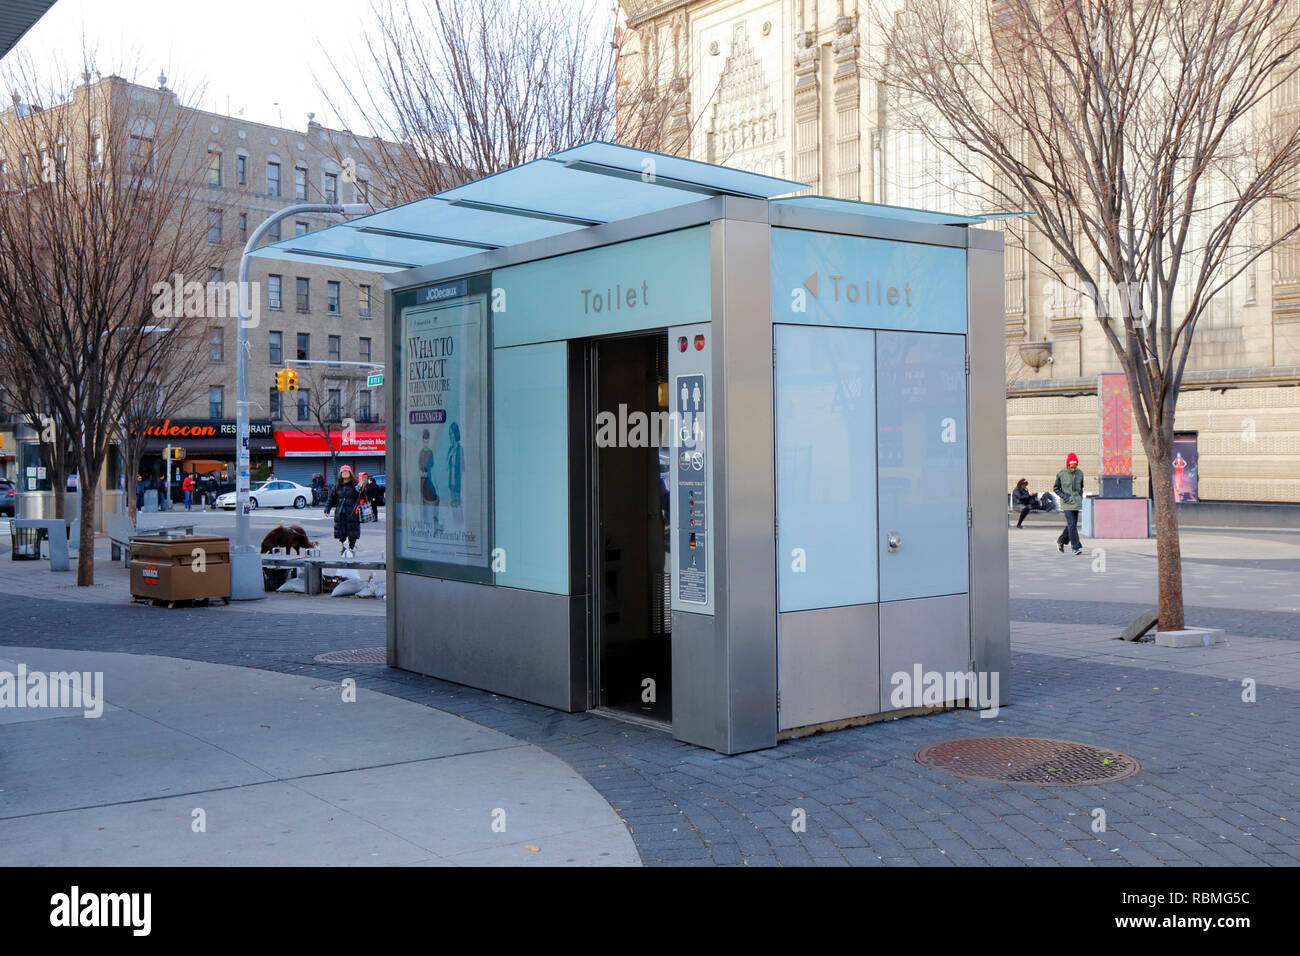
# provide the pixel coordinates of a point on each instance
(245, 564)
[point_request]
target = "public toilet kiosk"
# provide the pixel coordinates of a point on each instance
(668, 447)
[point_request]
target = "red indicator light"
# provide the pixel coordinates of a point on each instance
(681, 344)
(699, 342)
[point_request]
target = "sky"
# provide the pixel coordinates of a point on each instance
(257, 58)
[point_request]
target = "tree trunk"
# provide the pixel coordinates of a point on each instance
(87, 479)
(1169, 555)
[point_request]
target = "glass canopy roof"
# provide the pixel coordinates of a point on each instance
(584, 186)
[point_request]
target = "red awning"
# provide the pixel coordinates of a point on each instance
(313, 445)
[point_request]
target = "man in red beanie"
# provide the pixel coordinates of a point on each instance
(1069, 487)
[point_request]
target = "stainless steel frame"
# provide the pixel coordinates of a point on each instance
(538, 646)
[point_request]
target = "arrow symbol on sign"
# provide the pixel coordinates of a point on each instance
(810, 284)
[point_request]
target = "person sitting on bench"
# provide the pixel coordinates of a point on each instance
(1022, 499)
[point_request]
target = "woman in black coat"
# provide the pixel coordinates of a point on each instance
(345, 502)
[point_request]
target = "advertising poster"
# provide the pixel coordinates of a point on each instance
(442, 511)
(1186, 479)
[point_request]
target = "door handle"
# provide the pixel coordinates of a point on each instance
(895, 540)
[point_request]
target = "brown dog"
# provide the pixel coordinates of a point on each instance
(291, 538)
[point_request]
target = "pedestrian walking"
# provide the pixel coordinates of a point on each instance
(1069, 486)
(139, 493)
(345, 501)
(366, 488)
(317, 488)
(160, 487)
(187, 486)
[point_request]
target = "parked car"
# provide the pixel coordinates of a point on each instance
(271, 494)
(8, 497)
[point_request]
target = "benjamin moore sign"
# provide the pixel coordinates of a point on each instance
(821, 278)
(642, 284)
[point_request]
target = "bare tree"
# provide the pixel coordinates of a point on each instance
(169, 377)
(1140, 134)
(456, 91)
(104, 199)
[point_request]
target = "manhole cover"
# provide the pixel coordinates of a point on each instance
(358, 655)
(1034, 760)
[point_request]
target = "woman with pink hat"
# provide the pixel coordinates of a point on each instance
(345, 501)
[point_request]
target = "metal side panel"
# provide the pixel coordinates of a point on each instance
(504, 640)
(744, 437)
(699, 674)
(830, 664)
(930, 633)
(989, 574)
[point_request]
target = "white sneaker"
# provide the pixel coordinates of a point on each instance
(343, 550)
(347, 553)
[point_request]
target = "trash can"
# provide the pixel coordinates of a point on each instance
(174, 568)
(25, 543)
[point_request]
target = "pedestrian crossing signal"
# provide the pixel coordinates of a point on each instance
(286, 380)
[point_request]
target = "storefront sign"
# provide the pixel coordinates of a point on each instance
(292, 444)
(441, 509)
(203, 428)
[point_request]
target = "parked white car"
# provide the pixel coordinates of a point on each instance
(272, 494)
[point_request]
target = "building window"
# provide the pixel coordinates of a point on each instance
(304, 403)
(276, 409)
(300, 182)
(61, 158)
(273, 179)
(304, 346)
(304, 294)
(300, 228)
(273, 234)
(335, 347)
(215, 349)
(216, 274)
(333, 295)
(273, 286)
(139, 148)
(216, 401)
(214, 227)
(214, 169)
(363, 350)
(96, 150)
(364, 411)
(241, 170)
(363, 191)
(243, 226)
(275, 345)
(335, 404)
(363, 307)
(332, 187)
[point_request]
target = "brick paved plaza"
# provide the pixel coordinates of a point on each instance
(1219, 780)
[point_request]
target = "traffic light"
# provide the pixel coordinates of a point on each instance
(286, 380)
(279, 380)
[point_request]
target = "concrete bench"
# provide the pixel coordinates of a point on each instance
(313, 566)
(56, 532)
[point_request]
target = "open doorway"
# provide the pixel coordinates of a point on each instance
(632, 527)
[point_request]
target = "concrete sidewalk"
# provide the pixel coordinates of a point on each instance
(284, 772)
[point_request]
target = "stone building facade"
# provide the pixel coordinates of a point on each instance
(784, 87)
(305, 313)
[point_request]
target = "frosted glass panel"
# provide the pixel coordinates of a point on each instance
(921, 406)
(826, 466)
(531, 428)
